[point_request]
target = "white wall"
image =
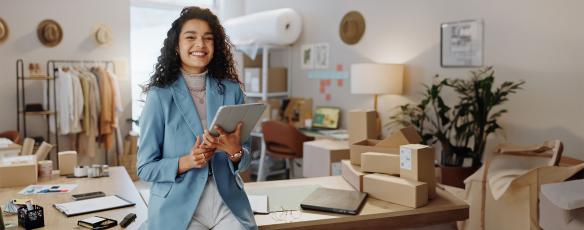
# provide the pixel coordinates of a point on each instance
(538, 41)
(76, 19)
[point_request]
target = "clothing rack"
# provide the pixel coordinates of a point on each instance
(52, 68)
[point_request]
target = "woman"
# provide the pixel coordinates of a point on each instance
(195, 175)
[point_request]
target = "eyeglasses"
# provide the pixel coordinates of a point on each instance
(286, 216)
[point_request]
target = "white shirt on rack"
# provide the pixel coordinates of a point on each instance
(77, 109)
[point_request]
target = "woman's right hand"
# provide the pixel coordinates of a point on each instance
(197, 158)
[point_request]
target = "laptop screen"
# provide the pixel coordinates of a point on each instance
(326, 117)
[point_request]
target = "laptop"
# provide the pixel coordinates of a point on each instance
(334, 200)
(324, 118)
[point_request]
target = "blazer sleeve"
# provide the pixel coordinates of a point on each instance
(151, 165)
(246, 158)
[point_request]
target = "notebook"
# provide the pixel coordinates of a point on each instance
(92, 205)
(334, 200)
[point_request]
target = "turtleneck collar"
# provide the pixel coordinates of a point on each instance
(187, 74)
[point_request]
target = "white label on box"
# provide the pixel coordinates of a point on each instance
(336, 168)
(405, 158)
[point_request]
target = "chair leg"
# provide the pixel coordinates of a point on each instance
(288, 169)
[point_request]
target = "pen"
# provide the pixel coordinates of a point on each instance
(53, 190)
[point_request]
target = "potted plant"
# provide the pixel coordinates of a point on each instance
(461, 130)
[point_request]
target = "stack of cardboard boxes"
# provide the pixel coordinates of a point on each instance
(397, 169)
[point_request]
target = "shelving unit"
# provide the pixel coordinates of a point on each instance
(265, 51)
(21, 115)
(265, 95)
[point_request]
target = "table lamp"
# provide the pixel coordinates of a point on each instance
(377, 79)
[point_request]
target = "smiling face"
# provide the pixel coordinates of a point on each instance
(195, 46)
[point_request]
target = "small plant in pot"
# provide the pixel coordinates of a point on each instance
(461, 130)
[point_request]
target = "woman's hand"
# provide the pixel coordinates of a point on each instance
(197, 158)
(226, 142)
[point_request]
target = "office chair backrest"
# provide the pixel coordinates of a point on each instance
(283, 139)
(12, 135)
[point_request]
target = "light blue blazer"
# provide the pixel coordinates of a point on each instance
(168, 128)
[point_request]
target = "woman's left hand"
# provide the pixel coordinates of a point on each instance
(226, 142)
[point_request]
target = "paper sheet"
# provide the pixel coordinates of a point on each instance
(285, 197)
(259, 203)
(47, 189)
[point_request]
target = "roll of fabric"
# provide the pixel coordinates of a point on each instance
(43, 151)
(27, 146)
(276, 27)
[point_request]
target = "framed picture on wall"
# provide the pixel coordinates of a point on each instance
(461, 44)
(321, 56)
(307, 56)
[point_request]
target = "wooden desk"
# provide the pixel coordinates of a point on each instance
(118, 183)
(375, 214)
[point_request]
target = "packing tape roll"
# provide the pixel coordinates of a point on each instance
(94, 171)
(80, 171)
(45, 168)
(105, 170)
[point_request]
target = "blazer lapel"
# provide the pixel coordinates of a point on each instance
(214, 99)
(185, 104)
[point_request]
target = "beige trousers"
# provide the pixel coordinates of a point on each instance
(212, 213)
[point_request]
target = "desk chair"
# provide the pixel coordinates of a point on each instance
(12, 135)
(284, 141)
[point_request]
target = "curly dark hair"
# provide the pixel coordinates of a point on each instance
(221, 67)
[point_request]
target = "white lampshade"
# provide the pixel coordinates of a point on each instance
(371, 78)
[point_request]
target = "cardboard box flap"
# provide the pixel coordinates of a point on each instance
(566, 195)
(504, 169)
(404, 136)
(509, 172)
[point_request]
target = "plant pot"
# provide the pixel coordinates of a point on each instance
(455, 176)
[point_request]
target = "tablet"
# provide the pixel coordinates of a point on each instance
(229, 115)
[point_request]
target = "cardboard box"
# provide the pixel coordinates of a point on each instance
(561, 205)
(404, 136)
(352, 174)
(397, 190)
(277, 80)
(18, 174)
(361, 125)
(518, 206)
(417, 163)
(380, 163)
(297, 111)
(272, 112)
(322, 156)
(256, 63)
(67, 162)
(369, 145)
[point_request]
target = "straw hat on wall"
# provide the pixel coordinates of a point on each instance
(49, 33)
(4, 32)
(102, 34)
(352, 27)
